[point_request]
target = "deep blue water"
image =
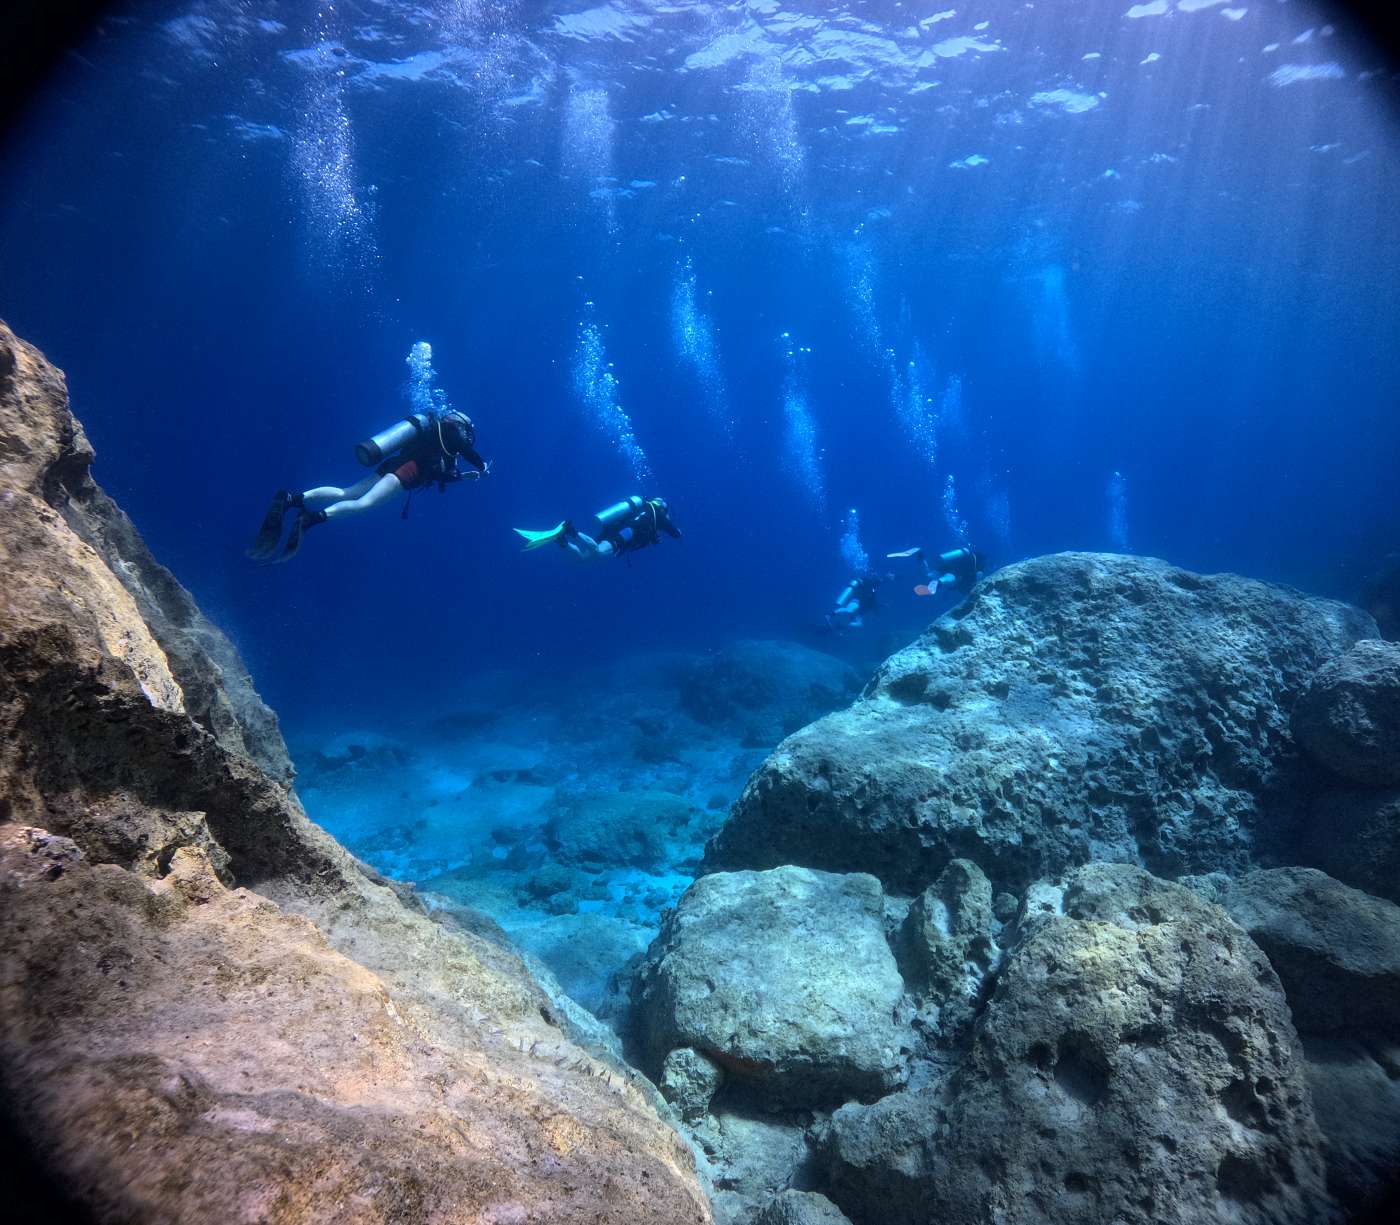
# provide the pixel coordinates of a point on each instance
(1023, 246)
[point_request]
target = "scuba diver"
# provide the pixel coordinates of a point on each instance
(622, 528)
(958, 568)
(419, 450)
(856, 601)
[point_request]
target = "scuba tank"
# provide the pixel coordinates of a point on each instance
(395, 438)
(618, 513)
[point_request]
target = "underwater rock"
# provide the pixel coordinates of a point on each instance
(1075, 707)
(1355, 837)
(1335, 949)
(785, 979)
(769, 688)
(1348, 717)
(747, 1159)
(1356, 1098)
(1135, 1062)
(946, 947)
(801, 1208)
(598, 829)
(180, 1047)
(689, 1081)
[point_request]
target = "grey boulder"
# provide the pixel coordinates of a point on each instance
(1348, 717)
(784, 979)
(1354, 835)
(1335, 949)
(1135, 1063)
(801, 1208)
(1079, 706)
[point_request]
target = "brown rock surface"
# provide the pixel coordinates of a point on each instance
(180, 1047)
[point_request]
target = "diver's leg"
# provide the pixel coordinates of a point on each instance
(584, 547)
(333, 493)
(366, 495)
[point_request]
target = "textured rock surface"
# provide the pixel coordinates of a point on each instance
(1135, 1063)
(801, 1208)
(689, 1081)
(627, 829)
(1356, 1097)
(1348, 716)
(1077, 706)
(1355, 836)
(748, 1159)
(785, 979)
(946, 945)
(1335, 949)
(179, 1047)
(776, 686)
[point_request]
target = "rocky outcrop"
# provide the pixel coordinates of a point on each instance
(1076, 707)
(1348, 716)
(209, 1009)
(1135, 1061)
(1335, 949)
(946, 947)
(784, 979)
(801, 1208)
(1355, 836)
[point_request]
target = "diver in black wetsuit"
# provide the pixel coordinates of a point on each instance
(856, 601)
(418, 451)
(623, 528)
(958, 569)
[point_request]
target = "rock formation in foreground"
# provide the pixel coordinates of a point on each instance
(1076, 707)
(1078, 1039)
(211, 1011)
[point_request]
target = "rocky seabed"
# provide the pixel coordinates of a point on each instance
(1084, 911)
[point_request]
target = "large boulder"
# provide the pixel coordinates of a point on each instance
(1077, 706)
(1348, 716)
(784, 979)
(1356, 1097)
(1134, 1063)
(801, 1208)
(1354, 835)
(211, 1011)
(1335, 949)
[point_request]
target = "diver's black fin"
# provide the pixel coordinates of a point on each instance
(265, 543)
(306, 519)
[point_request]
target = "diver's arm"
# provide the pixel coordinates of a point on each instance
(670, 529)
(469, 453)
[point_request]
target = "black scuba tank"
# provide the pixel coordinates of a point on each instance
(395, 438)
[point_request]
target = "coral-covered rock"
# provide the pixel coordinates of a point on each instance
(1335, 949)
(180, 1047)
(783, 978)
(1135, 1063)
(1348, 716)
(1074, 707)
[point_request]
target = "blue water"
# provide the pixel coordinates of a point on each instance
(1058, 276)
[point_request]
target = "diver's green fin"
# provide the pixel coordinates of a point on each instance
(534, 540)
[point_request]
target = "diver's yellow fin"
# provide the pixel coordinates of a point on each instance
(534, 540)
